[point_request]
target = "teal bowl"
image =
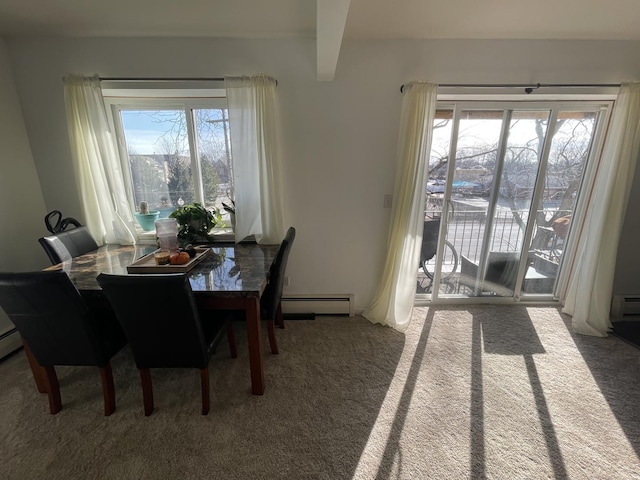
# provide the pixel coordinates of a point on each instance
(147, 220)
(164, 212)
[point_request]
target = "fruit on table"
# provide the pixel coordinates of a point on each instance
(179, 258)
(191, 250)
(162, 257)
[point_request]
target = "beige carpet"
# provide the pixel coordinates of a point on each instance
(483, 392)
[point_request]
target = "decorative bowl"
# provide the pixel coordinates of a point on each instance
(147, 220)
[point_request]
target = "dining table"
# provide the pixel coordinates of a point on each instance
(229, 277)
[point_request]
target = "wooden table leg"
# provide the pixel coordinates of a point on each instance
(39, 373)
(255, 345)
(251, 308)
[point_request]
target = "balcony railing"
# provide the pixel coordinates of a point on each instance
(465, 232)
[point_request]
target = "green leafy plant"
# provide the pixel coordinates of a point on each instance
(194, 222)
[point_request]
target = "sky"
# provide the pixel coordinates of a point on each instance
(142, 131)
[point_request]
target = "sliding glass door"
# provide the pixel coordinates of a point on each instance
(504, 180)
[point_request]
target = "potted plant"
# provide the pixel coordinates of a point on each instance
(146, 218)
(165, 207)
(194, 222)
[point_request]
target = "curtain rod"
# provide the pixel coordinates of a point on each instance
(528, 87)
(157, 79)
(160, 79)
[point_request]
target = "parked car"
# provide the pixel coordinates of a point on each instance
(435, 186)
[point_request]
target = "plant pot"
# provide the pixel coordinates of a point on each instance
(147, 221)
(164, 212)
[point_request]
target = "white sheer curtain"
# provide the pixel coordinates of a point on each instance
(588, 288)
(393, 302)
(96, 165)
(256, 161)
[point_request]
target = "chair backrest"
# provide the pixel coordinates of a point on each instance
(53, 319)
(66, 245)
(159, 317)
(273, 291)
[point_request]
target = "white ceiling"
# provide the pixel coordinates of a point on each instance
(329, 21)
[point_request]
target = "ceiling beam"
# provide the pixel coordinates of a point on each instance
(331, 17)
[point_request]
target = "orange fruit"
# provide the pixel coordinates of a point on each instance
(179, 258)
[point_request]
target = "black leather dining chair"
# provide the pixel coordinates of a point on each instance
(271, 299)
(66, 245)
(161, 321)
(59, 329)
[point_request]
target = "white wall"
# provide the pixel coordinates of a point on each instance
(339, 138)
(21, 203)
(22, 207)
(627, 281)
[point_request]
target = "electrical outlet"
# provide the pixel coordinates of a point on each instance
(387, 201)
(286, 281)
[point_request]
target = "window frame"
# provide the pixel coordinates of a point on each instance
(603, 104)
(153, 100)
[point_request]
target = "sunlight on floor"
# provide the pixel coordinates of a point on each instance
(494, 396)
(417, 403)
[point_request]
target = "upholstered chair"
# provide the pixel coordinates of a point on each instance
(66, 245)
(58, 328)
(160, 318)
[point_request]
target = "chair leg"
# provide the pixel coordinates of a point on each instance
(272, 337)
(53, 390)
(231, 337)
(279, 316)
(147, 391)
(39, 374)
(108, 389)
(204, 380)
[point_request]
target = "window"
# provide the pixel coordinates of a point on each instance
(509, 177)
(174, 152)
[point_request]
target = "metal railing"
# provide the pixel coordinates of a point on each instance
(465, 230)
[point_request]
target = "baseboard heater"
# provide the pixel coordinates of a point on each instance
(622, 305)
(9, 342)
(341, 304)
